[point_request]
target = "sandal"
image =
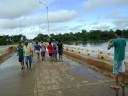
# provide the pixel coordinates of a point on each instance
(123, 85)
(114, 87)
(126, 84)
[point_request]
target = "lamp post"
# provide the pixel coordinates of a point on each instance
(22, 38)
(47, 15)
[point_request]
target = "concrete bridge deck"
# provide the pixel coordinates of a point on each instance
(46, 78)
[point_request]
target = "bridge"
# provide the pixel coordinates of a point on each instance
(82, 73)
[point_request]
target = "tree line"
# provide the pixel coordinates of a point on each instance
(6, 39)
(92, 35)
(82, 36)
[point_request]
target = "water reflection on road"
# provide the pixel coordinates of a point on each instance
(84, 73)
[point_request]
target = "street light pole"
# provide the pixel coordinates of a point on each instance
(20, 31)
(47, 15)
(20, 26)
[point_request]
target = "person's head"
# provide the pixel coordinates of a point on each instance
(49, 42)
(59, 41)
(53, 40)
(42, 42)
(20, 44)
(36, 42)
(26, 43)
(118, 33)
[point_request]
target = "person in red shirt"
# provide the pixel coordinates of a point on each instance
(50, 51)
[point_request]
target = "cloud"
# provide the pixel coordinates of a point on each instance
(60, 16)
(121, 23)
(17, 8)
(16, 23)
(76, 28)
(111, 15)
(101, 27)
(94, 4)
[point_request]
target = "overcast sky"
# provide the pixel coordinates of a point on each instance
(64, 16)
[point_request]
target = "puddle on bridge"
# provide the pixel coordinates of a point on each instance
(84, 71)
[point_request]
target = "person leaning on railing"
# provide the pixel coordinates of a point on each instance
(119, 45)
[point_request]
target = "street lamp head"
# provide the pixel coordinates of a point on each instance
(47, 15)
(43, 3)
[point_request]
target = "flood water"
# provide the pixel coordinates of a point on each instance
(3, 46)
(93, 44)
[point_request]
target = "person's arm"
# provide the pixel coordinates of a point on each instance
(110, 45)
(17, 51)
(62, 46)
(32, 50)
(44, 47)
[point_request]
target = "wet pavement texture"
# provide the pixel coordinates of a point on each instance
(67, 78)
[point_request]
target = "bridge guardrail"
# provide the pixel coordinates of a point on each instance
(94, 52)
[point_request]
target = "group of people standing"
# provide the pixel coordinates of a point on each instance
(54, 48)
(25, 52)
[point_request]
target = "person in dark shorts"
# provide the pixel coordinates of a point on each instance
(50, 51)
(20, 53)
(60, 50)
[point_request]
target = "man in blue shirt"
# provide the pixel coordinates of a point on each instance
(37, 50)
(119, 45)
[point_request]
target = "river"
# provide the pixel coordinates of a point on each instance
(93, 44)
(89, 44)
(3, 46)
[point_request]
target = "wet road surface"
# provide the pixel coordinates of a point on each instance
(47, 78)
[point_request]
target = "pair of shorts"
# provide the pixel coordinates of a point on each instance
(60, 52)
(21, 58)
(28, 58)
(43, 54)
(55, 54)
(118, 67)
(50, 54)
(37, 51)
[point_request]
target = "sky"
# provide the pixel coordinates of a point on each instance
(29, 17)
